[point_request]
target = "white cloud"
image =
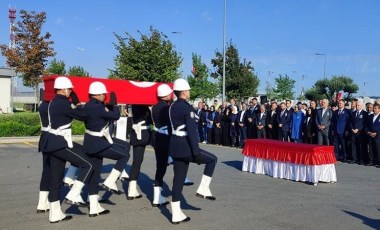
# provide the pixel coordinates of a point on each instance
(206, 16)
(99, 28)
(60, 21)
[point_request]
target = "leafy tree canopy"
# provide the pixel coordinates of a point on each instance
(240, 81)
(328, 88)
(78, 71)
(284, 87)
(151, 58)
(57, 67)
(33, 48)
(200, 85)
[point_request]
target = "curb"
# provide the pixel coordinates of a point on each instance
(35, 139)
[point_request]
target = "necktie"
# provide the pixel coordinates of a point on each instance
(357, 114)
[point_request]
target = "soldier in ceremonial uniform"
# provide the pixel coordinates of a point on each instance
(162, 131)
(58, 144)
(184, 149)
(99, 144)
(43, 201)
(140, 138)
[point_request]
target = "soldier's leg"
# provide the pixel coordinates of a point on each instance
(57, 168)
(180, 171)
(204, 188)
(93, 184)
(121, 155)
(161, 165)
(138, 157)
(43, 201)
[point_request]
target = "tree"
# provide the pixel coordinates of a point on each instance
(284, 86)
(152, 58)
(328, 88)
(32, 50)
(78, 71)
(57, 67)
(201, 87)
(240, 79)
(269, 91)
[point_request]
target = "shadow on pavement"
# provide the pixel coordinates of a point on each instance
(234, 164)
(373, 223)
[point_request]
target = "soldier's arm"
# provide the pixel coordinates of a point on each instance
(192, 132)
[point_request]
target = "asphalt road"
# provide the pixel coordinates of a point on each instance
(244, 200)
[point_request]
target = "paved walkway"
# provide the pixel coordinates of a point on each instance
(244, 200)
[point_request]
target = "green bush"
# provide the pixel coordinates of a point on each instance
(28, 124)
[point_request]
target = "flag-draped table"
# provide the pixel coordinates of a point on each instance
(292, 161)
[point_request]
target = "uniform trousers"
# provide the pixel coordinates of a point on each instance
(115, 152)
(58, 159)
(138, 157)
(45, 177)
(283, 135)
(261, 133)
(340, 146)
(374, 146)
(323, 137)
(357, 146)
(181, 166)
(162, 155)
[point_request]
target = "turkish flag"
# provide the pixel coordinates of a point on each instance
(127, 92)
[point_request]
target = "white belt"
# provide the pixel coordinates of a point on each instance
(138, 127)
(179, 132)
(105, 132)
(162, 130)
(45, 129)
(65, 132)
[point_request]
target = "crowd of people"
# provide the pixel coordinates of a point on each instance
(353, 128)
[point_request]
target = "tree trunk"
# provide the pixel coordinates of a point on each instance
(36, 94)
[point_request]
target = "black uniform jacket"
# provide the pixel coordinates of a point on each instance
(160, 116)
(141, 113)
(182, 113)
(61, 113)
(98, 118)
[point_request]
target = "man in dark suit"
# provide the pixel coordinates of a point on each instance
(367, 152)
(261, 122)
(243, 124)
(356, 128)
(340, 121)
(252, 112)
(200, 121)
(373, 132)
(323, 121)
(309, 127)
(271, 123)
(313, 107)
(283, 120)
(289, 107)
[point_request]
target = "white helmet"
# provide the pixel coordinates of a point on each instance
(181, 85)
(163, 90)
(62, 82)
(96, 88)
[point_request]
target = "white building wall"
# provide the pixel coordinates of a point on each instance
(5, 90)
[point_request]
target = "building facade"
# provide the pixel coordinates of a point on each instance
(6, 90)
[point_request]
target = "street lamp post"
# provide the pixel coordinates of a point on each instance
(224, 53)
(180, 33)
(364, 89)
(302, 89)
(324, 67)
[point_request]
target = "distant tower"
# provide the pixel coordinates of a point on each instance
(12, 17)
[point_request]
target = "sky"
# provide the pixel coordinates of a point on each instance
(277, 36)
